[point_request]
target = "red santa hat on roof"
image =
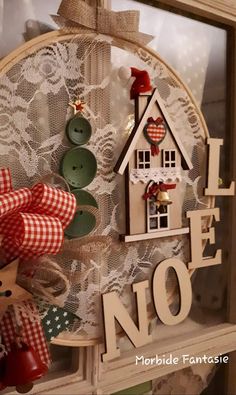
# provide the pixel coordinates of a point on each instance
(141, 83)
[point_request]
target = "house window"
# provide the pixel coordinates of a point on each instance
(143, 159)
(169, 158)
(158, 217)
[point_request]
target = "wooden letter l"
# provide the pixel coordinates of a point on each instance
(213, 171)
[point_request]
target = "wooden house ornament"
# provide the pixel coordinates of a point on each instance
(152, 160)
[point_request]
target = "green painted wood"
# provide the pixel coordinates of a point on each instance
(140, 389)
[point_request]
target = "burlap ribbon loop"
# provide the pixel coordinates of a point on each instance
(76, 16)
(48, 281)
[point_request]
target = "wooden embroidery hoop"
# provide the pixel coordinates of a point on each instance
(57, 37)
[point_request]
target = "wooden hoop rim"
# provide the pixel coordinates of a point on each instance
(58, 36)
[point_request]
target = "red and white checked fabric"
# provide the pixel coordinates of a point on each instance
(37, 232)
(15, 201)
(32, 331)
(11, 250)
(54, 202)
(5, 181)
(33, 221)
(156, 132)
(28, 235)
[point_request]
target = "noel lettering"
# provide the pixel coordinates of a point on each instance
(159, 222)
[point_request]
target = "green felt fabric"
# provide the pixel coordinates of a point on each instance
(56, 320)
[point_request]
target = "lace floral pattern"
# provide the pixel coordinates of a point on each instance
(34, 110)
(156, 174)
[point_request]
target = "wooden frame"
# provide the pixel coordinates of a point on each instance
(122, 373)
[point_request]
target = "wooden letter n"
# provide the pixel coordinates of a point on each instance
(114, 310)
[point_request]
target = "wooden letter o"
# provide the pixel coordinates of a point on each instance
(160, 295)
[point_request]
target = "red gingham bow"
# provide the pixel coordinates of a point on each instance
(32, 221)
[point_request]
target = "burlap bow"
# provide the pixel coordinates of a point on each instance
(75, 16)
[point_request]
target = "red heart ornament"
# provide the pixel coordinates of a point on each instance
(155, 132)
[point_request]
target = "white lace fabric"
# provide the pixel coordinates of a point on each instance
(156, 174)
(34, 111)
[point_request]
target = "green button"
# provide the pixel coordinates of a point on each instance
(79, 167)
(83, 222)
(79, 130)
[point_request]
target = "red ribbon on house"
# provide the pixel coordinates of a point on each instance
(32, 221)
(155, 188)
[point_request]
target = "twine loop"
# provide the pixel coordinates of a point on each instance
(76, 16)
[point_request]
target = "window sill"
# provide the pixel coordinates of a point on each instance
(154, 235)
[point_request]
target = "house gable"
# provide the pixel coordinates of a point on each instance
(154, 162)
(138, 129)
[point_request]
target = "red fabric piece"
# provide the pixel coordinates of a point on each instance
(54, 202)
(152, 190)
(5, 181)
(164, 187)
(141, 84)
(32, 234)
(32, 331)
(156, 132)
(32, 221)
(157, 120)
(14, 201)
(155, 150)
(155, 188)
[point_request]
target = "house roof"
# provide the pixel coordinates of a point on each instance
(138, 129)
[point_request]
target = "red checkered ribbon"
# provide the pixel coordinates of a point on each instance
(14, 201)
(31, 330)
(32, 221)
(53, 202)
(5, 181)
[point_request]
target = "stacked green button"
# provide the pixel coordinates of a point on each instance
(78, 130)
(83, 222)
(79, 167)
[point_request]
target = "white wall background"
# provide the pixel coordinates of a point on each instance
(14, 14)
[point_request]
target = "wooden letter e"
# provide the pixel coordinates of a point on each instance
(197, 237)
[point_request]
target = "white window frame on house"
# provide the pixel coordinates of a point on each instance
(169, 162)
(158, 217)
(143, 164)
